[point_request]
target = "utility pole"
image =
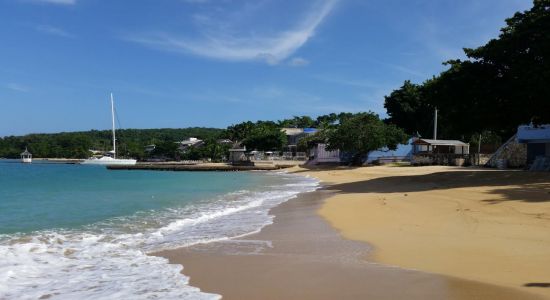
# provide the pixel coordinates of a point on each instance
(479, 150)
(479, 145)
(435, 124)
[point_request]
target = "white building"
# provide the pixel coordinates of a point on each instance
(190, 142)
(323, 156)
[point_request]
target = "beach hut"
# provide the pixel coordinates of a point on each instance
(441, 152)
(294, 135)
(149, 148)
(537, 139)
(320, 155)
(428, 146)
(26, 156)
(190, 142)
(237, 156)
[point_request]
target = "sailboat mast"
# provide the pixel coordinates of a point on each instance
(113, 118)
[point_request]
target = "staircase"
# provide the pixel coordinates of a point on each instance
(511, 154)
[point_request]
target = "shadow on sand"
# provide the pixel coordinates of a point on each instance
(522, 186)
(538, 284)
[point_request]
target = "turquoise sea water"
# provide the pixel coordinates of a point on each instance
(45, 196)
(83, 232)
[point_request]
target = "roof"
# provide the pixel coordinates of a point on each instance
(298, 131)
(440, 142)
(534, 134)
(26, 152)
(190, 141)
(243, 149)
(292, 131)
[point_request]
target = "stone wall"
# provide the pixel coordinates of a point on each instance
(514, 154)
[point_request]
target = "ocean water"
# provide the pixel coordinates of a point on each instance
(83, 232)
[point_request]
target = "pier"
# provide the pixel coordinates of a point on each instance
(201, 167)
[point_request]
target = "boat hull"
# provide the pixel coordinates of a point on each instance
(105, 161)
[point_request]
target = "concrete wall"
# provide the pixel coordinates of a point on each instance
(324, 156)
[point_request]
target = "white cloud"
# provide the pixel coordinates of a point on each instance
(48, 29)
(58, 2)
(218, 43)
(298, 62)
(16, 87)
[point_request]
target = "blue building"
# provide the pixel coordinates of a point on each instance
(537, 138)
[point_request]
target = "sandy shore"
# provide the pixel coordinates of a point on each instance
(483, 225)
(301, 256)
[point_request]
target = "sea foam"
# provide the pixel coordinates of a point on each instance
(108, 260)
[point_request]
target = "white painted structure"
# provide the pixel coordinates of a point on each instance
(26, 157)
(238, 156)
(537, 139)
(322, 155)
(110, 160)
(440, 146)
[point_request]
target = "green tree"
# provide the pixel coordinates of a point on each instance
(166, 149)
(363, 133)
(320, 137)
(501, 84)
(239, 132)
(264, 137)
(298, 122)
(214, 151)
(408, 108)
(326, 121)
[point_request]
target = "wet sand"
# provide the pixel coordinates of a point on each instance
(478, 224)
(301, 256)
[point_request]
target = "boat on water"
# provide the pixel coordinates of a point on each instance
(26, 157)
(110, 157)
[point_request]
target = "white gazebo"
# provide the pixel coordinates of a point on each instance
(26, 156)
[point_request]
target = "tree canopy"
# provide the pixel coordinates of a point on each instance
(262, 135)
(130, 142)
(502, 84)
(363, 133)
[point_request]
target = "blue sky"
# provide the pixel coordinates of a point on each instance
(181, 63)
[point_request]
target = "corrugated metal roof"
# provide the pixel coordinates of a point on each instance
(532, 134)
(440, 142)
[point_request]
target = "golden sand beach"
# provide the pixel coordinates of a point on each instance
(429, 233)
(477, 224)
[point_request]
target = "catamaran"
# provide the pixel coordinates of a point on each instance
(110, 159)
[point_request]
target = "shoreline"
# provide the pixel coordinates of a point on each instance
(485, 225)
(301, 256)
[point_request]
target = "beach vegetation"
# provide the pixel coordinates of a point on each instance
(497, 87)
(362, 133)
(261, 135)
(130, 142)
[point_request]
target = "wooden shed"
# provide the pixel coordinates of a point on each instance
(238, 156)
(422, 146)
(440, 152)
